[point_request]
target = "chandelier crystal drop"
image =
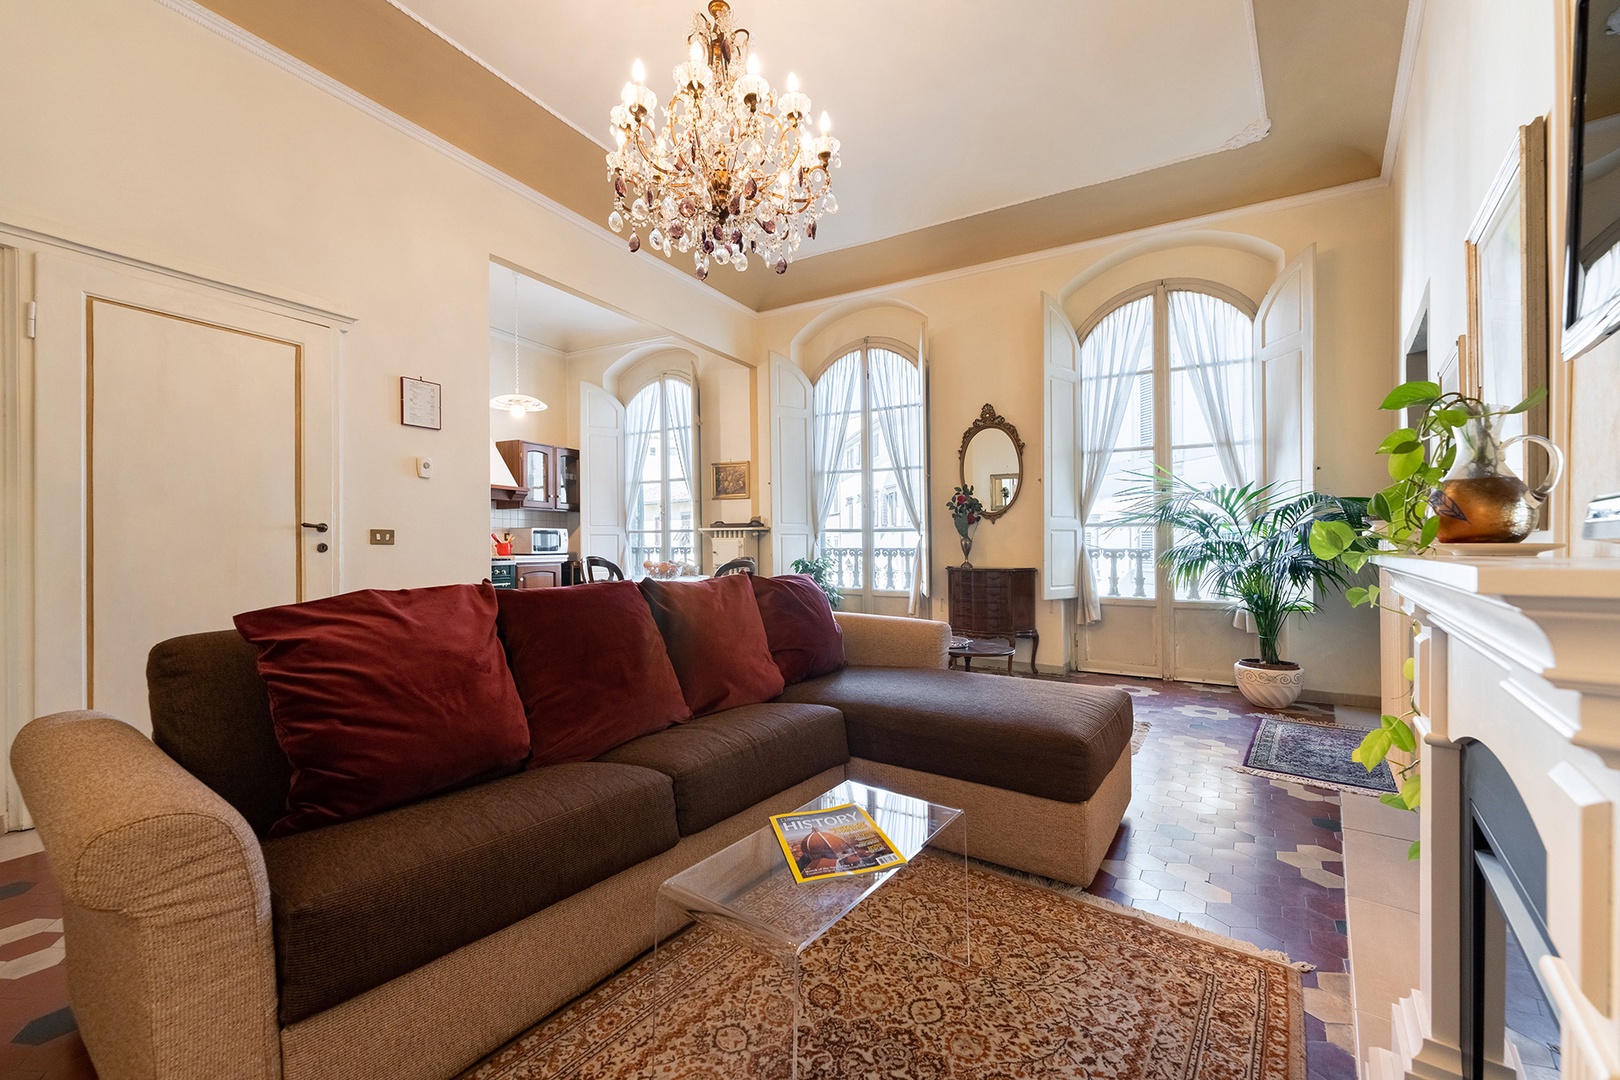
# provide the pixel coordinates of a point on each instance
(732, 170)
(517, 403)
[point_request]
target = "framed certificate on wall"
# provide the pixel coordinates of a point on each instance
(419, 403)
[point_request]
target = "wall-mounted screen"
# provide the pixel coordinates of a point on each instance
(1592, 304)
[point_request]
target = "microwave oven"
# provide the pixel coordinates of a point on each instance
(539, 541)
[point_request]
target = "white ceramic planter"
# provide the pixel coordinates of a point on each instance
(1269, 686)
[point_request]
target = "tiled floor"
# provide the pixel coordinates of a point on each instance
(1241, 855)
(1249, 857)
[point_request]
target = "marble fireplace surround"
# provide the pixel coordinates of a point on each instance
(1523, 655)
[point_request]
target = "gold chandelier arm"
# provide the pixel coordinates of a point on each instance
(651, 159)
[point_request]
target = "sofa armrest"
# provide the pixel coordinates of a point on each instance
(893, 641)
(166, 907)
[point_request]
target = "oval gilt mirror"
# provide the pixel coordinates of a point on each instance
(992, 460)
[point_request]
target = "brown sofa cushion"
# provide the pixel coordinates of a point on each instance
(727, 762)
(211, 714)
(1053, 740)
(357, 904)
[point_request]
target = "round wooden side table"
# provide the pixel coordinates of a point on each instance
(969, 649)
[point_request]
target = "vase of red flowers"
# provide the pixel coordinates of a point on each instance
(966, 510)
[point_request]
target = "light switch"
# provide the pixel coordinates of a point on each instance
(424, 468)
(382, 536)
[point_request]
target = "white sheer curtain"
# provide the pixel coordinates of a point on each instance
(1214, 341)
(1109, 359)
(897, 413)
(641, 421)
(835, 399)
(678, 415)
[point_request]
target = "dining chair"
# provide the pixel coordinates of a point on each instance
(608, 566)
(743, 565)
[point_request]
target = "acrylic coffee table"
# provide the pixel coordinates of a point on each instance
(747, 892)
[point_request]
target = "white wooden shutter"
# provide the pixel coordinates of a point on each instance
(601, 474)
(921, 604)
(792, 415)
(1061, 447)
(1285, 346)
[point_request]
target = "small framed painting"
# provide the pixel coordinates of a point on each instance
(1003, 486)
(419, 403)
(731, 479)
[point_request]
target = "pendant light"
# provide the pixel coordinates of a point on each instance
(517, 402)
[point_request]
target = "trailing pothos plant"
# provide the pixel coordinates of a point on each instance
(1403, 519)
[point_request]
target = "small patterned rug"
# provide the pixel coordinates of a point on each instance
(1059, 987)
(1317, 754)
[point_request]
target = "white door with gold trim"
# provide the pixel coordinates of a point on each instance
(184, 461)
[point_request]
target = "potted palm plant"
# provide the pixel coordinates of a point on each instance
(1250, 545)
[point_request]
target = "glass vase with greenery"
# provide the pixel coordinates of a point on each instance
(1404, 518)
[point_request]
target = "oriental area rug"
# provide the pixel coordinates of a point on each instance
(1059, 986)
(1314, 753)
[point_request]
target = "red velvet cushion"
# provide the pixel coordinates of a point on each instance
(805, 639)
(590, 667)
(716, 641)
(380, 698)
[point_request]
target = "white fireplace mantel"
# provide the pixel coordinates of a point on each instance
(1556, 618)
(1523, 655)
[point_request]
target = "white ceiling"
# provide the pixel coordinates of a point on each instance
(556, 319)
(945, 108)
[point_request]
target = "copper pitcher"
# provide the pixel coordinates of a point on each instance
(1480, 501)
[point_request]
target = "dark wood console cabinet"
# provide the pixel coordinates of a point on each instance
(994, 602)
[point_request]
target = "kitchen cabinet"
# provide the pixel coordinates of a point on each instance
(550, 475)
(535, 575)
(567, 478)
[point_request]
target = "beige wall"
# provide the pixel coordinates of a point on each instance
(1482, 69)
(984, 344)
(270, 183)
(545, 376)
(130, 128)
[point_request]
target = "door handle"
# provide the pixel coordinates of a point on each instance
(318, 526)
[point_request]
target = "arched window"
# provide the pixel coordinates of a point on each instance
(869, 498)
(660, 449)
(1183, 401)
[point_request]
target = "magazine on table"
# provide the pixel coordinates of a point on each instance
(838, 841)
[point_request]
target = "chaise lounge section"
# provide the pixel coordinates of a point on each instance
(427, 935)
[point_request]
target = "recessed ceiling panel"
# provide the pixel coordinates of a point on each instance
(946, 108)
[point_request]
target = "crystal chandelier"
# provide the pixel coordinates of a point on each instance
(733, 169)
(517, 403)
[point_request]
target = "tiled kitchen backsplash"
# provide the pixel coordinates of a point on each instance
(501, 520)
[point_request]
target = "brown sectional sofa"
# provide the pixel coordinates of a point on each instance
(412, 942)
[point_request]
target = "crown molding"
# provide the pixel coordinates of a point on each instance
(321, 81)
(297, 68)
(1403, 85)
(506, 337)
(1289, 202)
(475, 58)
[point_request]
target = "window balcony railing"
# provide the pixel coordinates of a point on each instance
(639, 555)
(1124, 573)
(892, 568)
(1121, 572)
